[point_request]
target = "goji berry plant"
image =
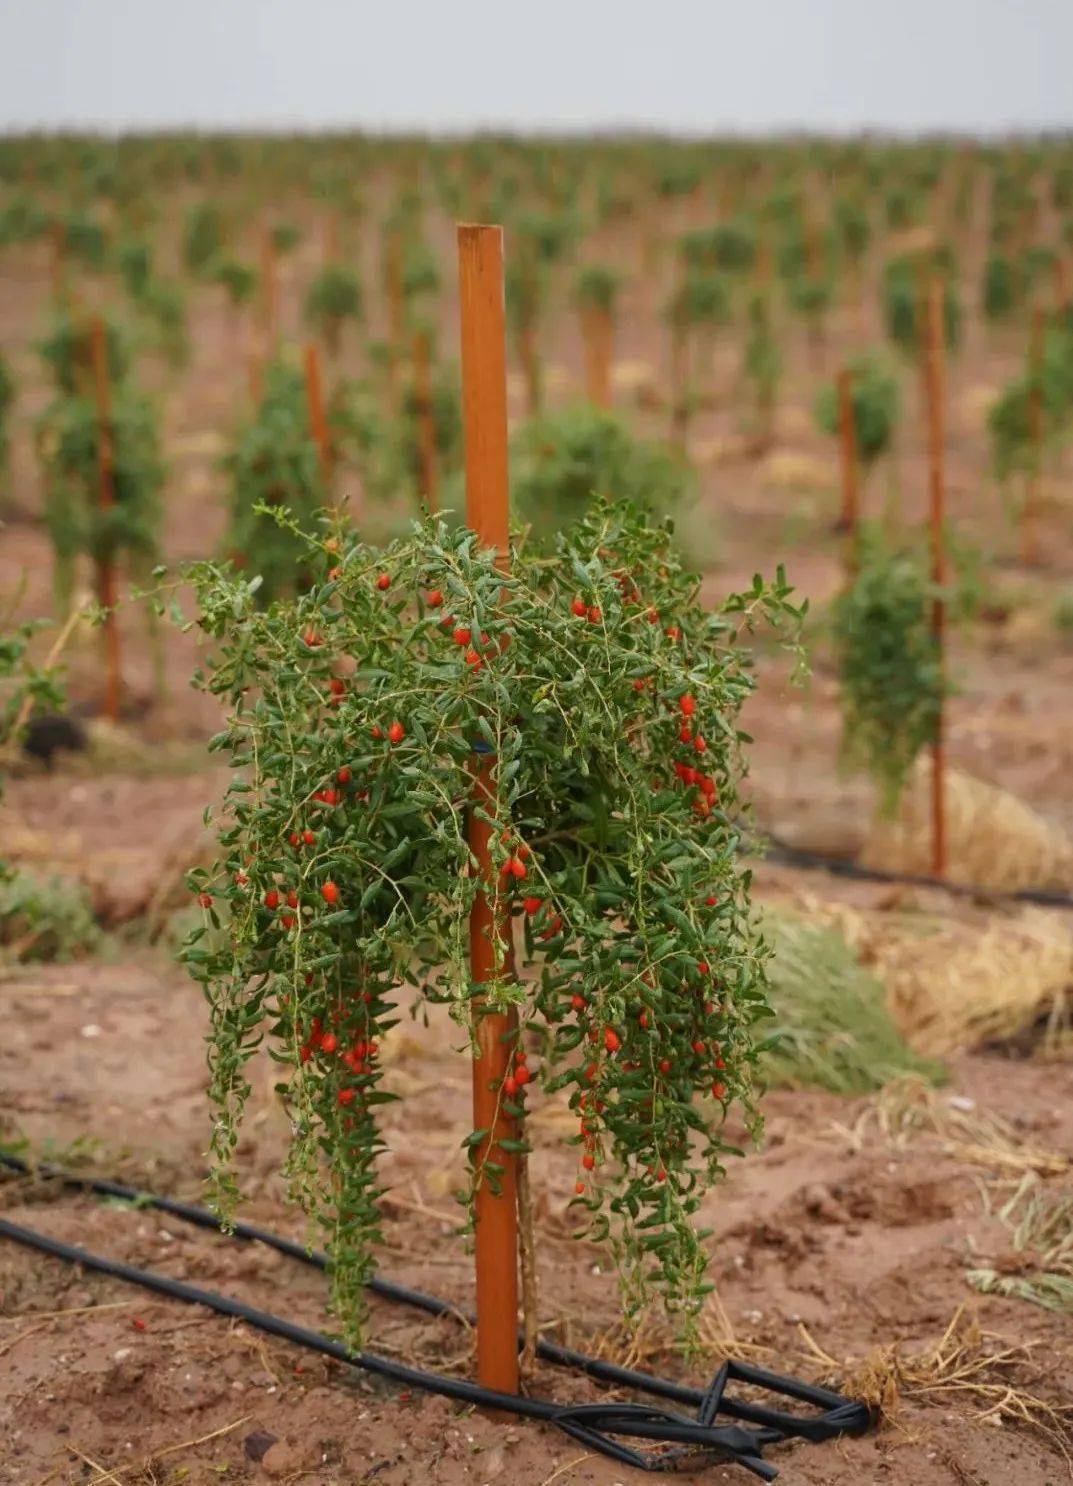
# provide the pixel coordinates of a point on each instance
(275, 464)
(70, 436)
(762, 364)
(904, 291)
(565, 460)
(875, 399)
(334, 297)
(889, 663)
(610, 699)
(203, 238)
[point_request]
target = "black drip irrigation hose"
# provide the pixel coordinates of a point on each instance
(603, 1426)
(775, 850)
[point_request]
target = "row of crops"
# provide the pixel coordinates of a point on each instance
(752, 246)
(360, 676)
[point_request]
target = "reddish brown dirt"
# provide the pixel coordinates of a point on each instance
(856, 1243)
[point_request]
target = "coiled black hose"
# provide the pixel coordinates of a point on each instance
(601, 1426)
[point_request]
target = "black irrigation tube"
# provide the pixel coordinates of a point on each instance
(774, 850)
(592, 1424)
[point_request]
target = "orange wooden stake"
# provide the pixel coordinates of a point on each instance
(396, 308)
(936, 390)
(57, 244)
(1030, 512)
(318, 423)
(269, 294)
(106, 577)
(847, 434)
(331, 239)
(484, 413)
(597, 329)
(426, 422)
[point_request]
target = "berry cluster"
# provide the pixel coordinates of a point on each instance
(346, 871)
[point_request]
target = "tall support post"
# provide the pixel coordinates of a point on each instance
(396, 310)
(935, 382)
(849, 522)
(426, 420)
(598, 338)
(318, 422)
(106, 576)
(269, 295)
(484, 411)
(1034, 481)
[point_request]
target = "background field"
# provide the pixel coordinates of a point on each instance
(844, 1244)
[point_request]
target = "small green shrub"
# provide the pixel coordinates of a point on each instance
(762, 360)
(44, 919)
(832, 1029)
(238, 280)
(852, 227)
(563, 461)
(203, 237)
(702, 299)
(77, 522)
(597, 287)
(275, 464)
(876, 401)
(892, 682)
(286, 237)
(334, 297)
(904, 291)
(85, 240)
(68, 353)
(1001, 290)
(134, 262)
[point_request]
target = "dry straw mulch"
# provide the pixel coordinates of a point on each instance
(956, 983)
(994, 841)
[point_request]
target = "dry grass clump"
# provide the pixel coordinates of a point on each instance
(966, 1366)
(954, 985)
(994, 841)
(793, 470)
(1039, 1266)
(911, 1111)
(832, 1021)
(648, 1341)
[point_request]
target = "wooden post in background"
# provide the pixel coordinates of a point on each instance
(598, 337)
(269, 295)
(331, 239)
(484, 412)
(318, 423)
(1030, 511)
(106, 576)
(426, 421)
(57, 239)
(396, 310)
(936, 390)
(849, 521)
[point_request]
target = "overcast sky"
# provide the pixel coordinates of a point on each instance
(699, 66)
